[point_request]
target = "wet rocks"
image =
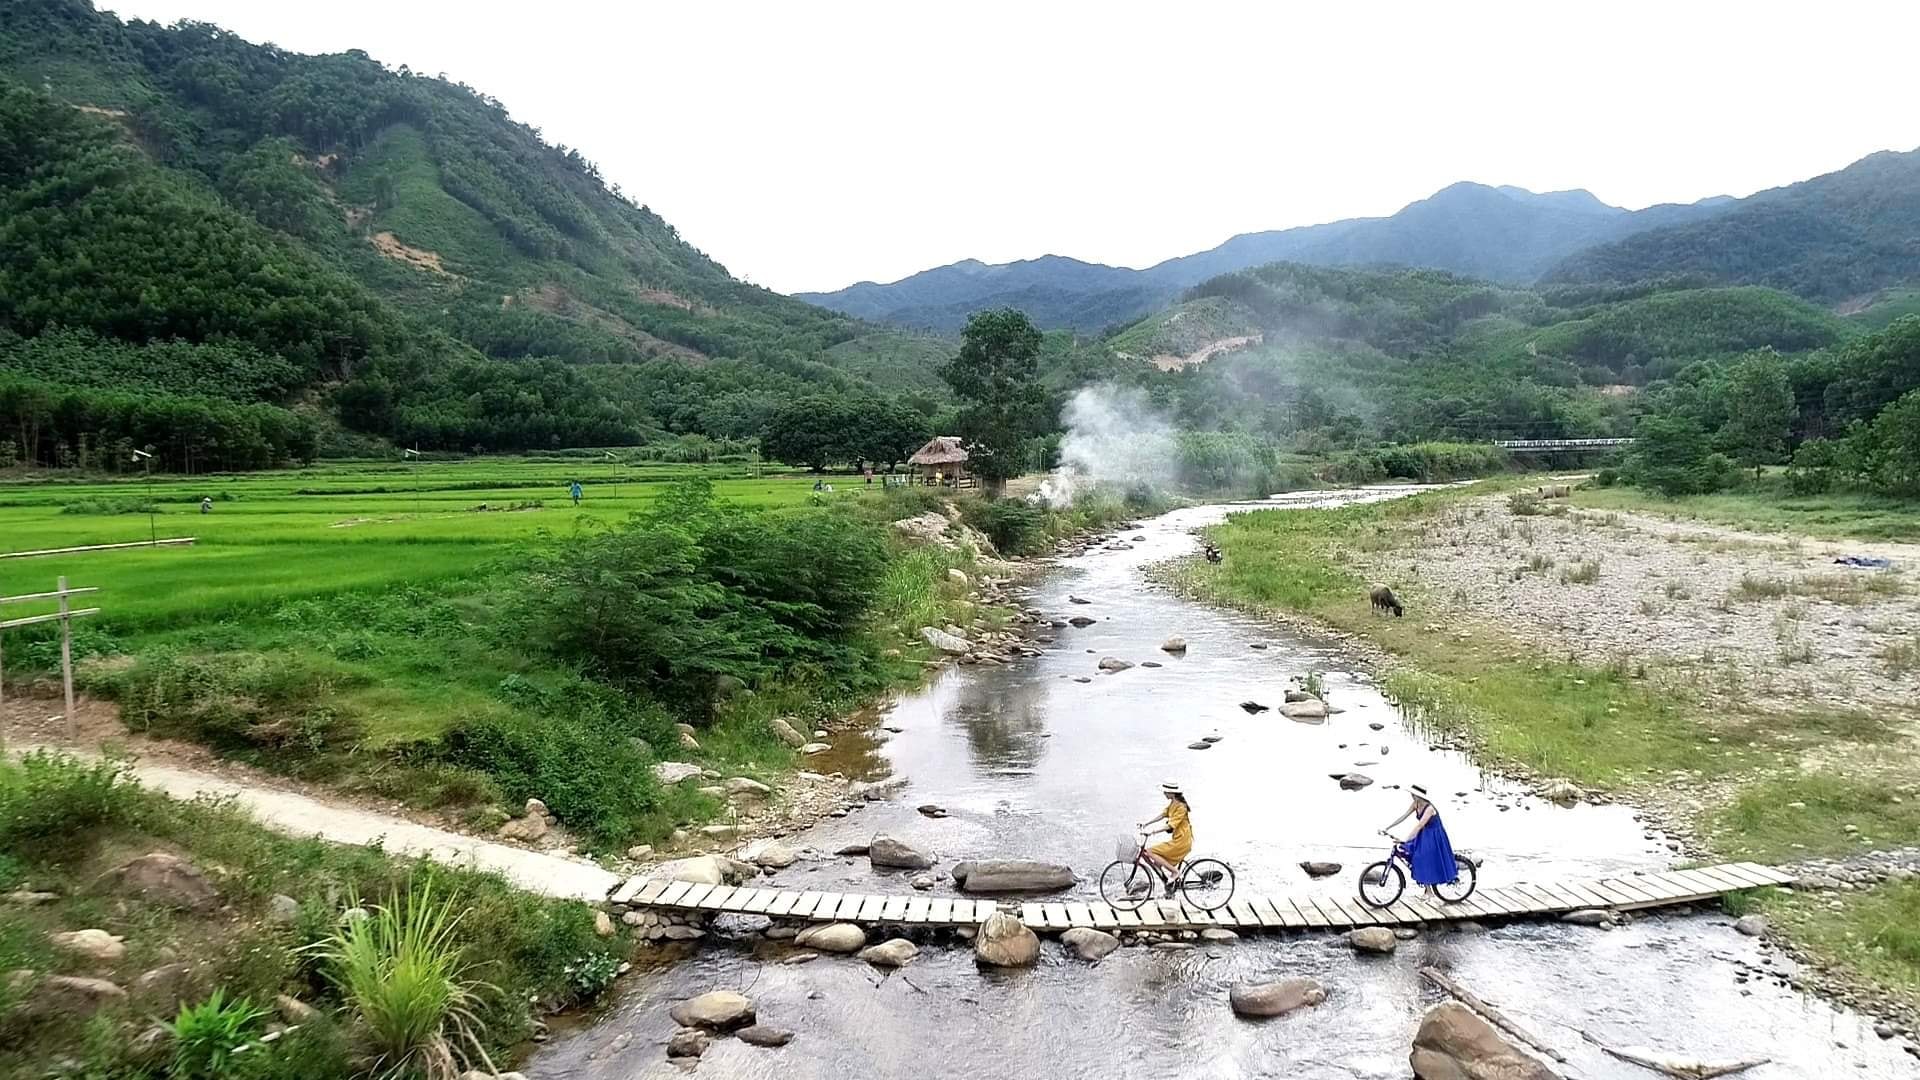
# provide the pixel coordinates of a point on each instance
(1751, 925)
(670, 773)
(161, 878)
(852, 850)
(1114, 663)
(1077, 600)
(1372, 939)
(875, 790)
(786, 732)
(1299, 695)
(702, 870)
(1310, 709)
(1011, 876)
(1200, 744)
(774, 856)
(1589, 917)
(1455, 1044)
(1354, 781)
(1261, 1000)
(688, 1043)
(951, 644)
(932, 811)
(1004, 941)
(1219, 935)
(715, 1010)
(924, 882)
(1253, 708)
(1318, 869)
(1089, 944)
(833, 938)
(770, 1038)
(1174, 645)
(1080, 621)
(897, 952)
(889, 853)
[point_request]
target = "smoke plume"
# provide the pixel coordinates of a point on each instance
(1115, 439)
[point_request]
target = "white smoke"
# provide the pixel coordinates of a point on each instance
(1115, 439)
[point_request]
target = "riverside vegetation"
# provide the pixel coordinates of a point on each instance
(1774, 776)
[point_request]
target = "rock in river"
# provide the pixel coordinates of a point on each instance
(1253, 707)
(1318, 869)
(1455, 1044)
(1089, 944)
(688, 1043)
(1011, 876)
(834, 938)
(1200, 744)
(1005, 941)
(1751, 925)
(1372, 939)
(1114, 663)
(1174, 645)
(1562, 792)
(885, 851)
(715, 1010)
(787, 733)
(1312, 709)
(1355, 781)
(764, 1036)
(897, 952)
(1080, 621)
(1275, 998)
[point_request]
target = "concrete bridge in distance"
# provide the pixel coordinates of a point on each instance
(1547, 446)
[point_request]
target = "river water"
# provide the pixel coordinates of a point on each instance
(1031, 763)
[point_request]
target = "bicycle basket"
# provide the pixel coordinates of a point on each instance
(1126, 848)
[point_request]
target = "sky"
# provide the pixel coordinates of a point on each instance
(812, 145)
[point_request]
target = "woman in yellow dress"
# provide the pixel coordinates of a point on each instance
(1169, 853)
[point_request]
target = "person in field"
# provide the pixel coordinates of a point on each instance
(1429, 849)
(1177, 823)
(574, 490)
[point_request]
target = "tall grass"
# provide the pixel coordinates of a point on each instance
(208, 1034)
(400, 970)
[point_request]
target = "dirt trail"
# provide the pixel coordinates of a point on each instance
(303, 815)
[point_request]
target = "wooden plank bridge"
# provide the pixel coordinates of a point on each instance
(1304, 911)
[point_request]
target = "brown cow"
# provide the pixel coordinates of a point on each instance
(1384, 601)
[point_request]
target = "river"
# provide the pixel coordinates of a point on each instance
(1030, 763)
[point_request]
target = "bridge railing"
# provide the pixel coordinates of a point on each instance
(1560, 444)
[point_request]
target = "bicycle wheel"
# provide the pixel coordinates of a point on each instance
(1461, 887)
(1382, 883)
(1208, 884)
(1125, 884)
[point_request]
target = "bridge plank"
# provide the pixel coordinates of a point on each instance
(1717, 876)
(984, 910)
(825, 906)
(940, 909)
(1057, 917)
(917, 909)
(1033, 915)
(848, 909)
(1504, 899)
(1756, 876)
(1328, 912)
(1243, 912)
(783, 903)
(1771, 875)
(651, 891)
(1225, 915)
(760, 901)
(1576, 895)
(870, 908)
(691, 898)
(1424, 911)
(802, 905)
(1078, 914)
(675, 890)
(1694, 883)
(737, 900)
(1104, 917)
(1357, 913)
(1126, 917)
(1731, 872)
(1616, 897)
(716, 896)
(1278, 913)
(895, 909)
(1541, 901)
(630, 890)
(1309, 914)
(1636, 892)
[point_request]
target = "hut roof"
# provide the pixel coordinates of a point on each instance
(943, 450)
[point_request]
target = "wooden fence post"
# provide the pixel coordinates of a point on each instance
(66, 651)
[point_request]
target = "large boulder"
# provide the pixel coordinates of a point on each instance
(748, 788)
(763, 1036)
(885, 851)
(951, 644)
(992, 876)
(774, 856)
(1174, 645)
(1355, 781)
(1114, 663)
(688, 1043)
(161, 878)
(1080, 621)
(890, 954)
(1089, 944)
(715, 1010)
(1372, 939)
(1312, 709)
(704, 870)
(1751, 925)
(672, 772)
(1317, 868)
(97, 946)
(1453, 1043)
(527, 829)
(61, 995)
(833, 938)
(1005, 941)
(1275, 998)
(787, 733)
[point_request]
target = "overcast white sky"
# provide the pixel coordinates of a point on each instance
(810, 145)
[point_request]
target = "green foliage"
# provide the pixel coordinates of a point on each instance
(400, 969)
(1672, 456)
(1016, 526)
(582, 762)
(821, 430)
(269, 709)
(205, 1036)
(996, 377)
(48, 800)
(101, 506)
(1760, 411)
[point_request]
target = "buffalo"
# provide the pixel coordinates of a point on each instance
(1384, 601)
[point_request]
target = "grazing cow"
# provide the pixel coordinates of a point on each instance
(1384, 601)
(1556, 491)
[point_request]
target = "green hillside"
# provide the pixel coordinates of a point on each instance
(341, 243)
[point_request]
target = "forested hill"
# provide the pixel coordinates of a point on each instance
(1835, 238)
(305, 239)
(1503, 234)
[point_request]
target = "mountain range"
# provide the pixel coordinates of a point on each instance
(1832, 238)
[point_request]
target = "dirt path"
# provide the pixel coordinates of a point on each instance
(303, 815)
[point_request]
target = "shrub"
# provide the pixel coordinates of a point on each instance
(1606, 477)
(47, 799)
(400, 970)
(100, 504)
(1581, 573)
(1671, 456)
(583, 765)
(1014, 525)
(206, 1035)
(240, 703)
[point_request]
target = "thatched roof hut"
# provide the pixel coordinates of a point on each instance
(942, 450)
(942, 461)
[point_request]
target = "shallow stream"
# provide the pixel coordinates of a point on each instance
(1030, 763)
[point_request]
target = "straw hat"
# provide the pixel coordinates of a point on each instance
(1171, 788)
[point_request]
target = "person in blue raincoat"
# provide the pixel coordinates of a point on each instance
(1429, 849)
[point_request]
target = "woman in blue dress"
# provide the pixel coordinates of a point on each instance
(1429, 850)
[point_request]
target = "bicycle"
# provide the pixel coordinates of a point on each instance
(1382, 883)
(1126, 884)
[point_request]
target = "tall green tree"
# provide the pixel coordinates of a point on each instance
(996, 378)
(1760, 411)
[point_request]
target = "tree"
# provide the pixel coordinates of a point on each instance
(1760, 411)
(1671, 456)
(888, 432)
(996, 377)
(1896, 434)
(811, 431)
